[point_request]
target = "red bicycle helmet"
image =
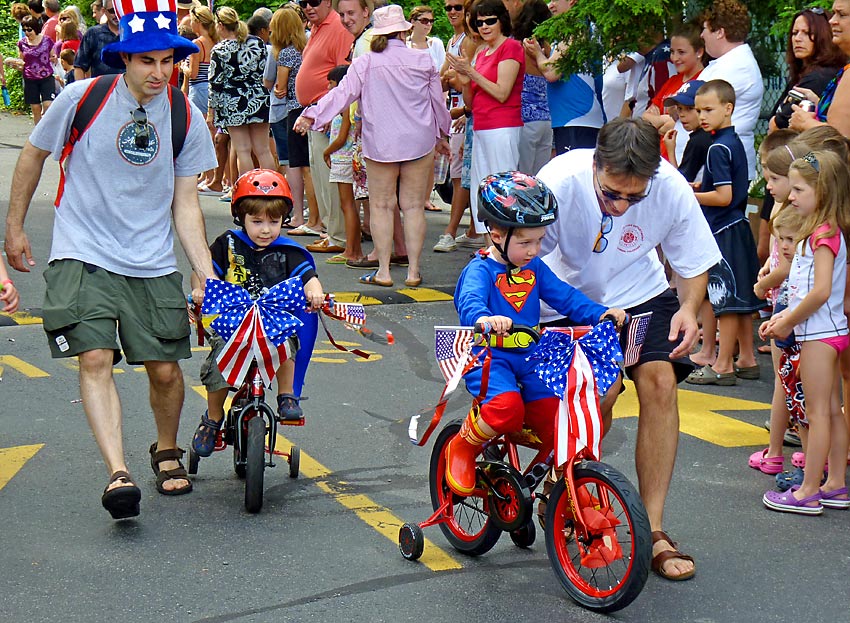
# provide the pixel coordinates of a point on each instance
(260, 183)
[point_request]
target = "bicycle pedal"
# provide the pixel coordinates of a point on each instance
(298, 422)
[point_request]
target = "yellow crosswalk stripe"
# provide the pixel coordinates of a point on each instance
(21, 366)
(425, 295)
(13, 459)
(371, 513)
(699, 417)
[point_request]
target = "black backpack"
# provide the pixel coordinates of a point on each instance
(92, 103)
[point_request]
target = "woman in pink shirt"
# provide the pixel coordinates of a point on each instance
(404, 117)
(494, 88)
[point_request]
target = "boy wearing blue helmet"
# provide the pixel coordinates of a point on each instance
(502, 286)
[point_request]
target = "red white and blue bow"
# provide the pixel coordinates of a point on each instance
(253, 329)
(578, 371)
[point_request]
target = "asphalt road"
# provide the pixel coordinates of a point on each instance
(323, 548)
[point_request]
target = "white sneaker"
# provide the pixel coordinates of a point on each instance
(474, 243)
(445, 244)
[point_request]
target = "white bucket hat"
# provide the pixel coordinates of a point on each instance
(389, 19)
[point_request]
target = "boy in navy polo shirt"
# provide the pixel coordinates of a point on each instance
(723, 198)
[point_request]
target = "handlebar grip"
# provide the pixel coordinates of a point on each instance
(482, 327)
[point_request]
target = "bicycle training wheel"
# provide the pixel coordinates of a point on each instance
(256, 463)
(469, 530)
(607, 571)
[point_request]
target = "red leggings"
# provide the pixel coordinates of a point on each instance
(506, 413)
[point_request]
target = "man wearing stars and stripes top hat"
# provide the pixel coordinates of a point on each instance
(124, 183)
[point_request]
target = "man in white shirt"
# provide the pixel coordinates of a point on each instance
(725, 30)
(618, 203)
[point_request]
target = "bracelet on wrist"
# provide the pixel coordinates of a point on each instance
(7, 282)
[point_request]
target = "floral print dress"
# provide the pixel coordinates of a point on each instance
(237, 94)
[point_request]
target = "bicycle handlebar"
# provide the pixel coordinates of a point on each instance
(484, 328)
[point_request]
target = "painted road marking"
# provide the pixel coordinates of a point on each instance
(698, 417)
(425, 295)
(342, 357)
(13, 459)
(19, 318)
(21, 366)
(372, 514)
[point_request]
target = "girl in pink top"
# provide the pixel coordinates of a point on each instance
(820, 193)
(494, 89)
(403, 117)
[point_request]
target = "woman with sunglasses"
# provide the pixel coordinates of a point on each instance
(492, 92)
(398, 148)
(833, 105)
(39, 84)
(422, 18)
(812, 58)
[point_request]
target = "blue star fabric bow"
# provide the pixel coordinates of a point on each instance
(555, 351)
(231, 302)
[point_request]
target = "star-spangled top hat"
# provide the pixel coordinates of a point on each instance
(145, 26)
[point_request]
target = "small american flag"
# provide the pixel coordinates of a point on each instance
(579, 423)
(635, 338)
(351, 313)
(452, 345)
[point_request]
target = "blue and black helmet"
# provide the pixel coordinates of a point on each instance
(513, 199)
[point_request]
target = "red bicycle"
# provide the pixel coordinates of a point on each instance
(598, 538)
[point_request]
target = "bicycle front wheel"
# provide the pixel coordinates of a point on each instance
(606, 570)
(256, 463)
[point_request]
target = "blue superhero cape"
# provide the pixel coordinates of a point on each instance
(309, 330)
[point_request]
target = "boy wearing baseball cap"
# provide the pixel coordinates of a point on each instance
(698, 142)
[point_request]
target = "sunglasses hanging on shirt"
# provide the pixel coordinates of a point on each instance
(141, 127)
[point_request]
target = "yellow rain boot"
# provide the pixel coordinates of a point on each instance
(461, 453)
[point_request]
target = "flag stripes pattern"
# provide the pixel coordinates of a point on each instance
(635, 338)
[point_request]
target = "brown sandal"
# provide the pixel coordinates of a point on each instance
(121, 502)
(162, 475)
(661, 557)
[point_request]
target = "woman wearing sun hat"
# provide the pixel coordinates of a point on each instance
(398, 148)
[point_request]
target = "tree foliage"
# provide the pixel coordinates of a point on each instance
(605, 29)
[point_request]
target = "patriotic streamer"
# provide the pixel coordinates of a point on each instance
(453, 347)
(353, 316)
(253, 329)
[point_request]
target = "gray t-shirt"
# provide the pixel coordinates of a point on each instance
(115, 211)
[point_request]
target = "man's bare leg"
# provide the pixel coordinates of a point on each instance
(103, 409)
(166, 397)
(655, 452)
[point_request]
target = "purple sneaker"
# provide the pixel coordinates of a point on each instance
(787, 503)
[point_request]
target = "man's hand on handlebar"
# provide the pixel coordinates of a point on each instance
(618, 315)
(500, 325)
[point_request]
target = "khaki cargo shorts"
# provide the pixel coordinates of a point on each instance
(89, 308)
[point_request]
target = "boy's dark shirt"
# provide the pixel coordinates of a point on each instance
(726, 164)
(693, 158)
(255, 269)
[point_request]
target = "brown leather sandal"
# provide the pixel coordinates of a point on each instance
(661, 557)
(121, 502)
(162, 475)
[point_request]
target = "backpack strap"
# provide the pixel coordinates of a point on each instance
(88, 108)
(181, 117)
